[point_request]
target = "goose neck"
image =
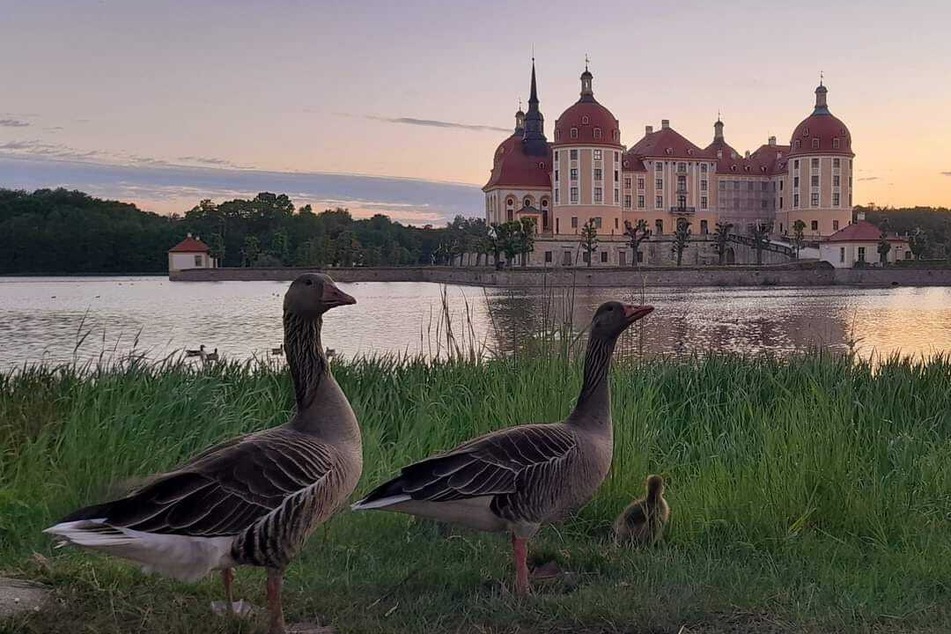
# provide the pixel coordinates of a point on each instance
(594, 401)
(305, 357)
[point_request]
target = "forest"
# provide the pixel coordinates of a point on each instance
(57, 231)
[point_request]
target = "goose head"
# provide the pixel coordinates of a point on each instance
(655, 485)
(313, 294)
(613, 318)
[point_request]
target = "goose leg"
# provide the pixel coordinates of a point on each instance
(275, 605)
(227, 578)
(520, 554)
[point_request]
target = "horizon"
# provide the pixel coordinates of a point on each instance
(164, 108)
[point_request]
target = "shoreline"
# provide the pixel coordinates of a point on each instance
(797, 274)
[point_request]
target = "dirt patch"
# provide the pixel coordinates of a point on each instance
(18, 596)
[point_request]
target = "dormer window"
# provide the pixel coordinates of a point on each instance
(689, 151)
(835, 143)
(597, 133)
(574, 133)
(584, 120)
(805, 132)
(541, 165)
(815, 144)
(798, 144)
(617, 135)
(557, 134)
(669, 151)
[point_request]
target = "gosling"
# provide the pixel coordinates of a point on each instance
(642, 523)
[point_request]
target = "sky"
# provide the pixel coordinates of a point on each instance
(397, 107)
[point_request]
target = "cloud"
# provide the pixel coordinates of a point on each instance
(57, 151)
(160, 186)
(204, 160)
(946, 173)
(13, 123)
(870, 178)
(433, 123)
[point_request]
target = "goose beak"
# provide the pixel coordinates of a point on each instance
(633, 313)
(333, 297)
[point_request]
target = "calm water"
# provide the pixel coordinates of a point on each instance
(43, 319)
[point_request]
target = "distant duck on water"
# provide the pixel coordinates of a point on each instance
(200, 352)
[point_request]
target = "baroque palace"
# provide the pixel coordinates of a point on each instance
(585, 174)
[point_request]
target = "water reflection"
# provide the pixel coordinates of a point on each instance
(45, 318)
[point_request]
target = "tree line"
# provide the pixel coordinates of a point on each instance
(61, 231)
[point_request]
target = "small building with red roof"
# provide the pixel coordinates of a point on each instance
(190, 253)
(858, 245)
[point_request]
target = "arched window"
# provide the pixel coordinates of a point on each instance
(815, 143)
(574, 133)
(798, 144)
(616, 135)
(835, 143)
(597, 133)
(544, 203)
(510, 202)
(527, 202)
(584, 120)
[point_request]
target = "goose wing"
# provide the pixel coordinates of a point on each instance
(224, 490)
(502, 463)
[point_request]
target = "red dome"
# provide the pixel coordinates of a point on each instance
(593, 125)
(820, 132)
(511, 167)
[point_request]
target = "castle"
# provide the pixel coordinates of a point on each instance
(585, 174)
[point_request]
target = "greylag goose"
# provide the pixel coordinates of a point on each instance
(278, 351)
(642, 523)
(519, 478)
(200, 352)
(252, 500)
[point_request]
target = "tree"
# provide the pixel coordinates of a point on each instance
(635, 235)
(279, 246)
(721, 237)
(681, 239)
(884, 246)
(526, 238)
(917, 242)
(589, 240)
(759, 232)
(251, 250)
(799, 235)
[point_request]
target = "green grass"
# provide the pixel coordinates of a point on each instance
(808, 494)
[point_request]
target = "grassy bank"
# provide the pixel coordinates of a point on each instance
(811, 494)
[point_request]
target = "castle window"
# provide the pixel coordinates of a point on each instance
(598, 174)
(557, 197)
(544, 203)
(703, 205)
(596, 221)
(795, 164)
(557, 134)
(574, 195)
(617, 195)
(548, 257)
(659, 183)
(627, 201)
(604, 257)
(556, 155)
(815, 164)
(597, 194)
(640, 202)
(574, 133)
(703, 186)
(703, 168)
(616, 135)
(835, 199)
(814, 199)
(597, 133)
(836, 180)
(815, 225)
(573, 155)
(574, 222)
(704, 227)
(640, 182)
(659, 202)
(658, 166)
(795, 201)
(510, 202)
(815, 180)
(798, 144)
(835, 225)
(574, 173)
(627, 182)
(815, 144)
(597, 155)
(836, 163)
(541, 165)
(616, 157)
(584, 119)
(527, 202)
(556, 175)
(659, 227)
(835, 143)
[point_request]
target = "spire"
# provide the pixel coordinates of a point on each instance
(534, 142)
(821, 92)
(718, 129)
(587, 93)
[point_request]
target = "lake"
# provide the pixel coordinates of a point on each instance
(58, 320)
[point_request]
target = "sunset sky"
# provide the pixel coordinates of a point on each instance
(397, 107)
